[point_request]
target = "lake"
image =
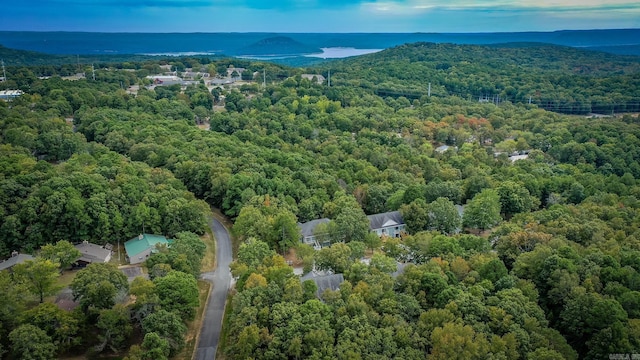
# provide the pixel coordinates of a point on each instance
(342, 52)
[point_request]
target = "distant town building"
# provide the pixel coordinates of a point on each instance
(515, 158)
(218, 82)
(165, 79)
(230, 71)
(442, 149)
(10, 94)
(319, 78)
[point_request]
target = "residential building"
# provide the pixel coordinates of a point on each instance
(388, 224)
(218, 82)
(15, 259)
(92, 253)
(142, 246)
(319, 78)
(442, 149)
(165, 80)
(238, 70)
(10, 94)
(309, 236)
(324, 281)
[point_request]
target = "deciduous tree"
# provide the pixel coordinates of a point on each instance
(168, 326)
(483, 211)
(443, 216)
(29, 342)
(98, 285)
(63, 253)
(178, 292)
(115, 327)
(39, 276)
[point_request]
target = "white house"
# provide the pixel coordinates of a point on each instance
(388, 224)
(442, 149)
(10, 94)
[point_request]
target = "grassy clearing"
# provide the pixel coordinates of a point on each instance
(66, 278)
(193, 327)
(121, 252)
(209, 260)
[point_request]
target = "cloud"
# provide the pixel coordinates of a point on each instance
(248, 4)
(318, 15)
(414, 8)
(397, 7)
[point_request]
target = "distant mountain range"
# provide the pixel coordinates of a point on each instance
(622, 41)
(276, 46)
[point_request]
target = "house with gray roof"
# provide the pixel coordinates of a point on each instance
(324, 281)
(15, 259)
(309, 235)
(92, 253)
(388, 224)
(318, 78)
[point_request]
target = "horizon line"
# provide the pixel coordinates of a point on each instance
(317, 32)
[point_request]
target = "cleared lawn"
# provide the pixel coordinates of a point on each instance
(209, 260)
(122, 253)
(66, 278)
(193, 327)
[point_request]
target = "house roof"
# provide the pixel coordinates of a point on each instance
(10, 93)
(378, 221)
(142, 243)
(442, 148)
(92, 252)
(14, 260)
(307, 229)
(164, 77)
(324, 282)
(318, 77)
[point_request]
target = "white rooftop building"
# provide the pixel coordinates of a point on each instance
(10, 94)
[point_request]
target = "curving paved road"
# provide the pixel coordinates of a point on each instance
(221, 278)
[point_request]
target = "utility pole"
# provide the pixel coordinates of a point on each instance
(529, 99)
(329, 78)
(429, 92)
(4, 73)
(93, 70)
(264, 78)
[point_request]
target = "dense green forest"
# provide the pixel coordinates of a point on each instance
(543, 264)
(553, 77)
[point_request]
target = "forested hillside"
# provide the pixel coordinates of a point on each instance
(543, 264)
(556, 78)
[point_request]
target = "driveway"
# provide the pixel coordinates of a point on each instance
(133, 272)
(221, 279)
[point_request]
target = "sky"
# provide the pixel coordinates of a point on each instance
(317, 15)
